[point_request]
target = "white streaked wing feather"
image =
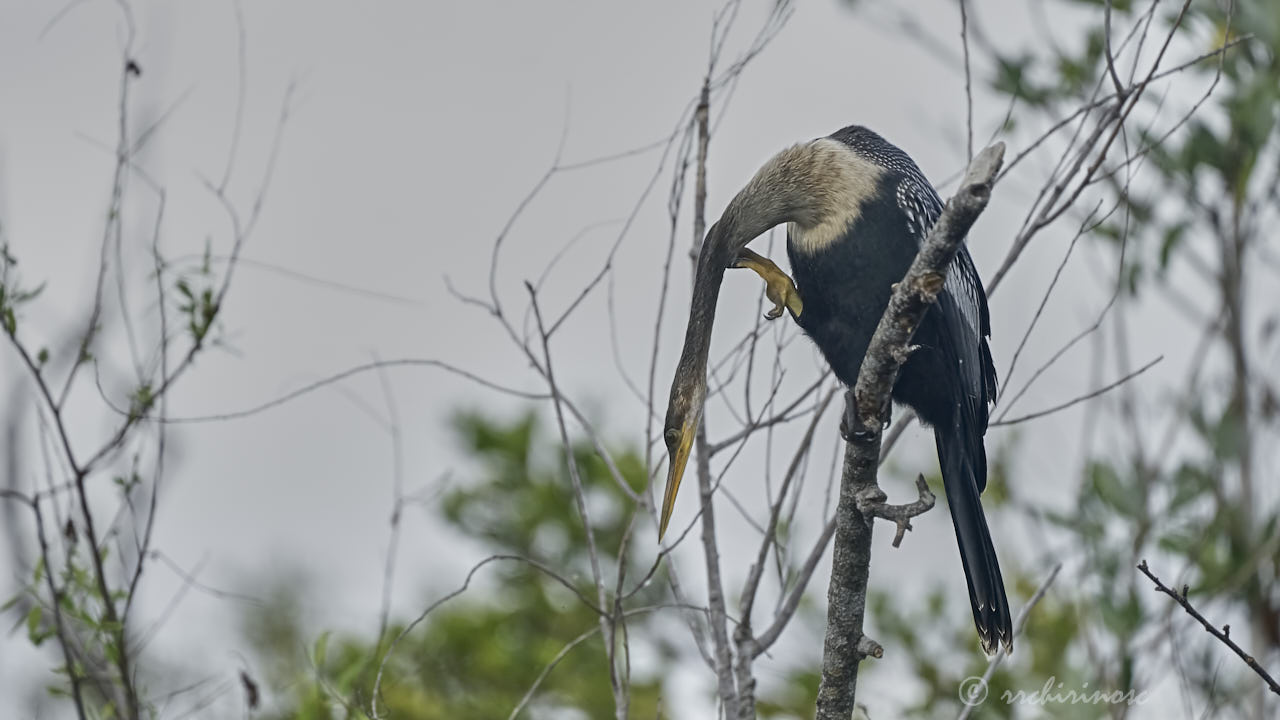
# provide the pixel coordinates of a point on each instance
(923, 207)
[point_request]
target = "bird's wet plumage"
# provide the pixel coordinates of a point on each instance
(949, 380)
(858, 209)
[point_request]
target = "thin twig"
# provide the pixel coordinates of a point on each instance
(466, 583)
(580, 498)
(1077, 400)
(722, 652)
(376, 366)
(397, 503)
(1223, 635)
(968, 82)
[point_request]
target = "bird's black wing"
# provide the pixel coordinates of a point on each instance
(961, 342)
(958, 328)
(962, 301)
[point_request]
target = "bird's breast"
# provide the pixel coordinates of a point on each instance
(845, 276)
(820, 238)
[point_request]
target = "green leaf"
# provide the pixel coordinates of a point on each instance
(143, 399)
(1172, 239)
(1108, 487)
(320, 649)
(34, 616)
(22, 296)
(1124, 616)
(206, 264)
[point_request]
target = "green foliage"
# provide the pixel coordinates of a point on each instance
(477, 656)
(199, 307)
(942, 652)
(796, 696)
(12, 294)
(524, 507)
(81, 606)
(197, 300)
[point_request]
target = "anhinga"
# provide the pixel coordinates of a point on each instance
(857, 210)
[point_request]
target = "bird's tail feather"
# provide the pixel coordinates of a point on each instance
(961, 459)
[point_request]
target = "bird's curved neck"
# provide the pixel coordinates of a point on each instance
(708, 275)
(809, 184)
(820, 186)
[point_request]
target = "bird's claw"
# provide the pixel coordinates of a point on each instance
(853, 429)
(860, 436)
(778, 286)
(782, 292)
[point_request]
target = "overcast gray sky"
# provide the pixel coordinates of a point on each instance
(415, 130)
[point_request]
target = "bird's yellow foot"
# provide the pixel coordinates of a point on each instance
(778, 286)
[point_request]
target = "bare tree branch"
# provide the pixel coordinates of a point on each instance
(580, 497)
(1223, 635)
(843, 648)
(717, 620)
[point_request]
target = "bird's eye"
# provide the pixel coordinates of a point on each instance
(672, 436)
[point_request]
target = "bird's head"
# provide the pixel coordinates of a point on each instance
(689, 388)
(684, 412)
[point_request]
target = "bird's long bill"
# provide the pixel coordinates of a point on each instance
(675, 470)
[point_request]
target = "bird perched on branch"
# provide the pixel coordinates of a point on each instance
(857, 210)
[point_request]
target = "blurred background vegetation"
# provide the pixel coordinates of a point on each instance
(1185, 479)
(1188, 482)
(478, 656)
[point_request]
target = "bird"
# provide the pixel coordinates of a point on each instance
(857, 209)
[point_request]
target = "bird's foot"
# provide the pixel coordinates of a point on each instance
(778, 286)
(861, 435)
(902, 353)
(852, 427)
